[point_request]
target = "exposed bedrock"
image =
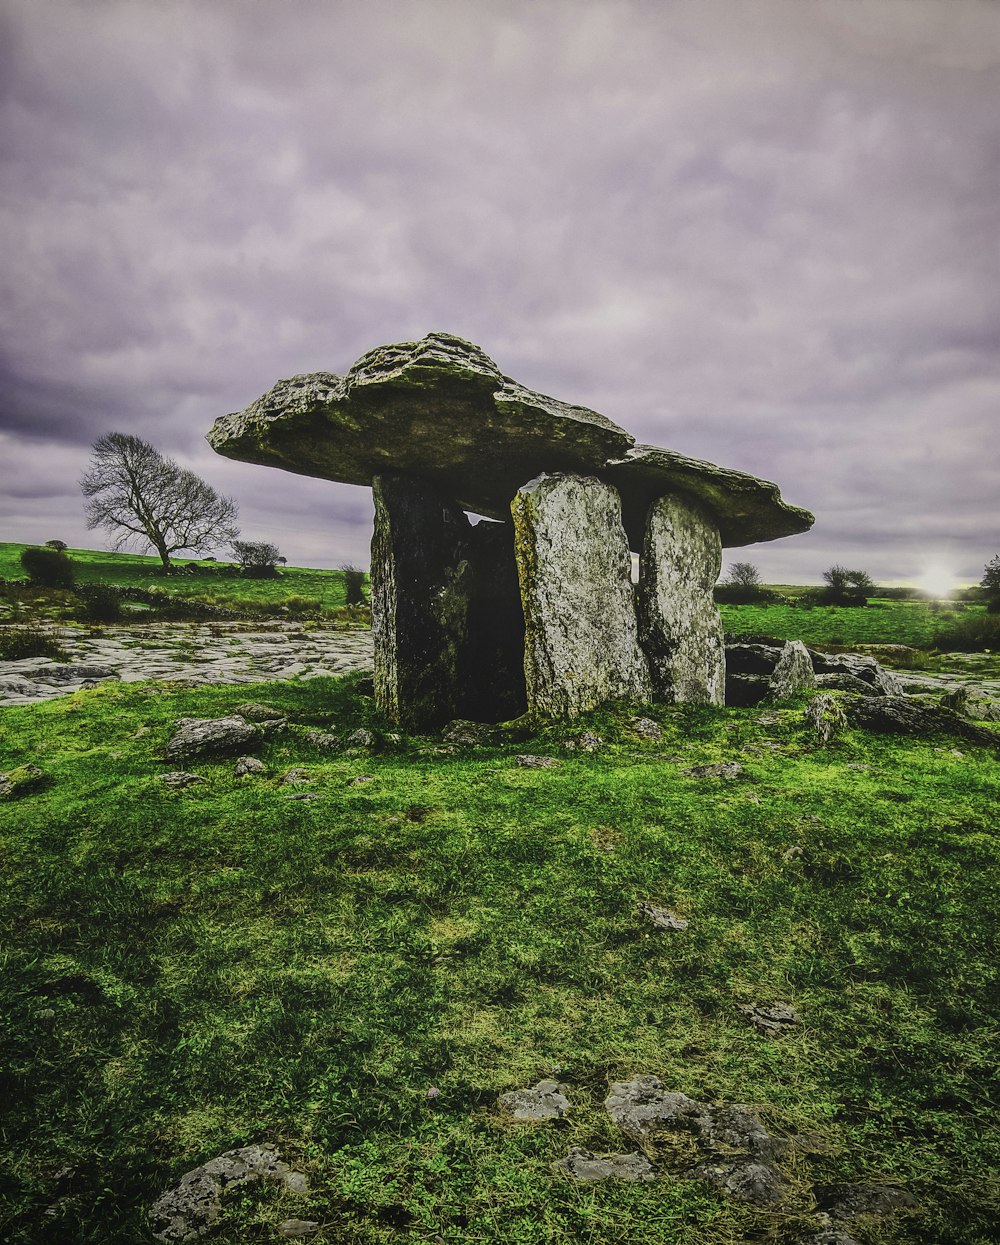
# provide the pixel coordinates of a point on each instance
(679, 624)
(581, 645)
(447, 629)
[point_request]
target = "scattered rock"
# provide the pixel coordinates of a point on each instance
(843, 683)
(361, 738)
(21, 781)
(587, 742)
(545, 1101)
(899, 715)
(662, 918)
(468, 734)
(361, 779)
(211, 737)
(188, 1211)
(296, 776)
(642, 1106)
(254, 711)
(792, 674)
(178, 779)
(647, 728)
(302, 795)
(852, 1201)
(826, 718)
(582, 1165)
(527, 761)
(323, 740)
(771, 1018)
(295, 1228)
(745, 1179)
(248, 765)
(725, 769)
(879, 681)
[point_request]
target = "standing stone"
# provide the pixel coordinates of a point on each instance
(793, 673)
(680, 625)
(581, 645)
(419, 593)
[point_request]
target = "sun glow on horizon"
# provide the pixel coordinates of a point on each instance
(937, 581)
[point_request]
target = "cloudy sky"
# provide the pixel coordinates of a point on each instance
(761, 232)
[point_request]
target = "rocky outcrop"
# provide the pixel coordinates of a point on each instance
(581, 646)
(545, 1101)
(587, 1167)
(196, 737)
(899, 715)
(679, 623)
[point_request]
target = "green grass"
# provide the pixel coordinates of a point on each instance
(188, 972)
(881, 622)
(138, 571)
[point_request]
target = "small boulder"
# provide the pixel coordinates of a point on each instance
(792, 674)
(528, 761)
(853, 1201)
(187, 1211)
(21, 781)
(253, 711)
(248, 765)
(745, 1179)
(879, 681)
(468, 734)
(582, 1165)
(647, 728)
(211, 737)
(843, 683)
(178, 779)
(296, 776)
(725, 769)
(361, 738)
(771, 1018)
(545, 1101)
(642, 1106)
(662, 918)
(826, 718)
(900, 715)
(323, 740)
(585, 742)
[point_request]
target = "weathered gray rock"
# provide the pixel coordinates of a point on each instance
(212, 737)
(254, 711)
(899, 715)
(189, 1210)
(844, 683)
(679, 624)
(21, 781)
(295, 777)
(854, 1201)
(792, 674)
(468, 734)
(324, 740)
(73, 672)
(826, 718)
(879, 680)
(178, 780)
(582, 1165)
(641, 1107)
(662, 918)
(528, 760)
(545, 1101)
(745, 1179)
(248, 765)
(728, 770)
(771, 1018)
(647, 728)
(581, 645)
(440, 410)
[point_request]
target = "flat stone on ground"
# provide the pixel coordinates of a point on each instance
(545, 1101)
(584, 1166)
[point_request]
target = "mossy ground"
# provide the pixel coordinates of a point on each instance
(187, 972)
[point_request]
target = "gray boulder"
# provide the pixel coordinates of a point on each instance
(178, 780)
(197, 737)
(587, 1167)
(899, 715)
(581, 646)
(186, 1212)
(826, 718)
(879, 680)
(745, 1179)
(641, 1107)
(856, 1201)
(248, 765)
(545, 1101)
(771, 1019)
(792, 674)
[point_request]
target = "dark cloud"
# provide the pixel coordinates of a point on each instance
(760, 232)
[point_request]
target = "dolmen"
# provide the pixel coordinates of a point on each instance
(534, 610)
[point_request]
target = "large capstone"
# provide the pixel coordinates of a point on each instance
(581, 646)
(680, 626)
(447, 628)
(440, 410)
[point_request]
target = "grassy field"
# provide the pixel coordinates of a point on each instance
(188, 972)
(131, 570)
(881, 622)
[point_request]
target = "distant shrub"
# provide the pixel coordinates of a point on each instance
(258, 559)
(20, 642)
(740, 594)
(303, 605)
(354, 584)
(973, 633)
(56, 544)
(100, 602)
(845, 587)
(49, 568)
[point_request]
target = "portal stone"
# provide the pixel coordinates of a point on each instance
(420, 582)
(581, 645)
(679, 623)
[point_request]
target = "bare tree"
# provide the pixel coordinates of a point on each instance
(744, 575)
(139, 495)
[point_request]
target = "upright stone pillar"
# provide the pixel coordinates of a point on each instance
(419, 590)
(679, 623)
(581, 643)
